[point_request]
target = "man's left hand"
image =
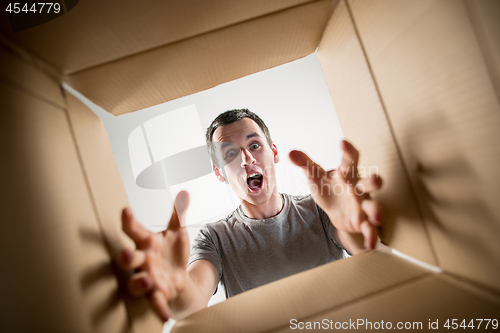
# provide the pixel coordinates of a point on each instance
(344, 196)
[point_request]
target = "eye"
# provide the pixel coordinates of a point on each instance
(229, 154)
(254, 146)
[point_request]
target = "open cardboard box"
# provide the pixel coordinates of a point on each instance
(416, 86)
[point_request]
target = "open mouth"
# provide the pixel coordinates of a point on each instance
(254, 181)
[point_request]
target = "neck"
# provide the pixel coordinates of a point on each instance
(265, 210)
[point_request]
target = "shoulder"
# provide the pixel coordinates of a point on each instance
(221, 226)
(298, 198)
(302, 206)
(303, 201)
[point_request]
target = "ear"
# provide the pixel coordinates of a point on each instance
(275, 152)
(218, 174)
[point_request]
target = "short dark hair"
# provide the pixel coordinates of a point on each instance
(230, 117)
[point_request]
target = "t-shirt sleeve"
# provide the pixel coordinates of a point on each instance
(330, 230)
(205, 248)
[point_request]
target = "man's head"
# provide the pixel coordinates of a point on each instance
(230, 117)
(243, 154)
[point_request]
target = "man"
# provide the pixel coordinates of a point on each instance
(270, 236)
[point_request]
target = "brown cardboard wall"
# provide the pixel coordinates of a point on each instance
(364, 122)
(331, 286)
(411, 306)
(484, 18)
(55, 261)
(108, 197)
(55, 269)
(373, 286)
(202, 62)
(439, 97)
(96, 32)
(100, 171)
(414, 86)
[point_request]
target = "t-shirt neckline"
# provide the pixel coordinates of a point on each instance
(284, 212)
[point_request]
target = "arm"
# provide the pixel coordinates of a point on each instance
(201, 282)
(345, 198)
(160, 261)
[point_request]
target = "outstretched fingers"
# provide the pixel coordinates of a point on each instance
(130, 259)
(134, 229)
(178, 217)
(370, 234)
(374, 211)
(369, 184)
(160, 304)
(349, 165)
(140, 284)
(311, 168)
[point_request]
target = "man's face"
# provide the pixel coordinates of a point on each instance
(246, 159)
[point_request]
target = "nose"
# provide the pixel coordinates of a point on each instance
(246, 158)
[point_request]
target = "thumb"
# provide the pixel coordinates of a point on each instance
(181, 204)
(311, 168)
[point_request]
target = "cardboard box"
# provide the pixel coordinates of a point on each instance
(416, 87)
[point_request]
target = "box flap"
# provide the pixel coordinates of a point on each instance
(202, 62)
(439, 98)
(363, 119)
(55, 267)
(95, 32)
(108, 198)
(424, 304)
(100, 169)
(302, 295)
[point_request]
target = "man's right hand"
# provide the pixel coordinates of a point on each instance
(159, 260)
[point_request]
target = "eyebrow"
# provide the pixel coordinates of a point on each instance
(225, 144)
(252, 135)
(249, 136)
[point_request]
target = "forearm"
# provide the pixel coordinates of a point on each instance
(190, 300)
(201, 282)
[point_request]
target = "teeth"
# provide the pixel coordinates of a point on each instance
(255, 174)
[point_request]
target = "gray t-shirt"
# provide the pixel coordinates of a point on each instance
(248, 253)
